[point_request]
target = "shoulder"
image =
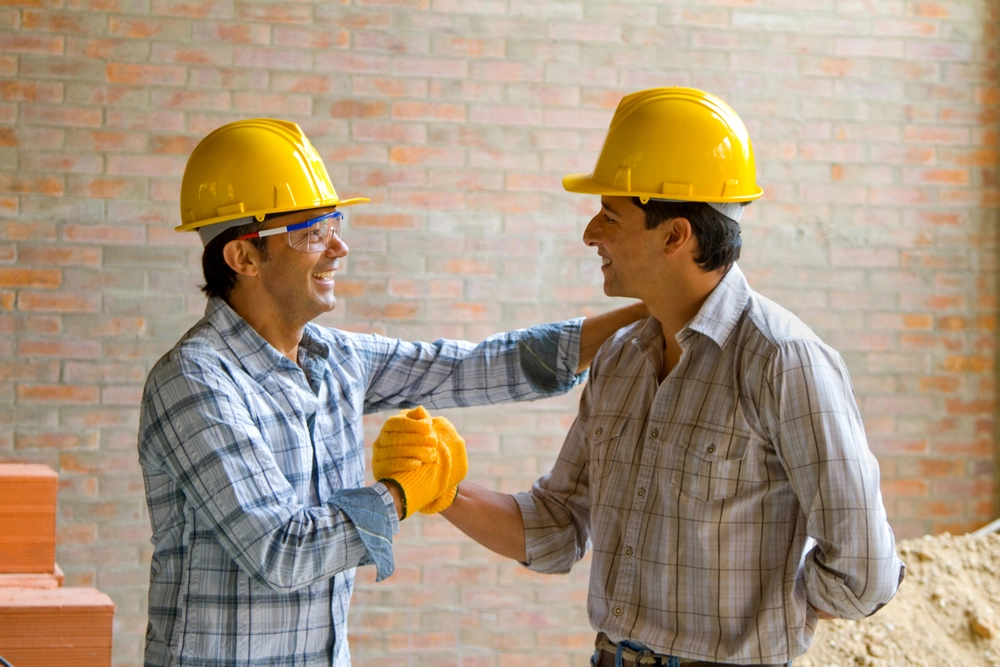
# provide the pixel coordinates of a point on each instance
(201, 352)
(776, 324)
(784, 340)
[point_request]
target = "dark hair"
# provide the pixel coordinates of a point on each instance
(219, 278)
(718, 236)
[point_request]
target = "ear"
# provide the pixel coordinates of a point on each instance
(677, 235)
(242, 257)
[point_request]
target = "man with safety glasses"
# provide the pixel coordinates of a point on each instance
(250, 435)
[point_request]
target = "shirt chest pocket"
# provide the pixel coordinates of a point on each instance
(604, 439)
(710, 465)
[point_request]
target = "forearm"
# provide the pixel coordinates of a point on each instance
(598, 328)
(492, 519)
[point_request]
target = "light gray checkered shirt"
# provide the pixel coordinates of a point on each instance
(725, 501)
(254, 468)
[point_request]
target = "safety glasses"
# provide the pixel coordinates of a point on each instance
(312, 235)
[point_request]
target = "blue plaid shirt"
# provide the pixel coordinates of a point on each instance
(254, 474)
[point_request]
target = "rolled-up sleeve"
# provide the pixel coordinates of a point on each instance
(556, 511)
(198, 432)
(818, 433)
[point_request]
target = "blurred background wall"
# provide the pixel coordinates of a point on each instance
(875, 129)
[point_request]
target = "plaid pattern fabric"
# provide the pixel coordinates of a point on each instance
(254, 473)
(725, 501)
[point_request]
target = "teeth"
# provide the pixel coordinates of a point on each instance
(325, 274)
(605, 261)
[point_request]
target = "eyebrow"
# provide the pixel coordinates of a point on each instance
(610, 208)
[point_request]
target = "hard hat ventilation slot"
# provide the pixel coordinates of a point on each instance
(230, 209)
(677, 189)
(283, 197)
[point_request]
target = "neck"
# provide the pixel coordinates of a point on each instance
(284, 336)
(673, 309)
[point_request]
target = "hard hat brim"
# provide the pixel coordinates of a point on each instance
(585, 184)
(192, 226)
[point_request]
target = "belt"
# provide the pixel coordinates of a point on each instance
(607, 651)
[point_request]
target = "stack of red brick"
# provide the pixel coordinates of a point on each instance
(43, 624)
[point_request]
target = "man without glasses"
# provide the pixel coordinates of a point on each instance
(718, 464)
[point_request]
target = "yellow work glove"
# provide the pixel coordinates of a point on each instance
(410, 453)
(447, 435)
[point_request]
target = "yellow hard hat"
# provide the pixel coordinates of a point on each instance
(673, 143)
(252, 168)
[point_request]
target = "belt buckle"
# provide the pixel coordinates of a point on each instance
(646, 656)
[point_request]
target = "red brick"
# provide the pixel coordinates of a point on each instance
(283, 104)
(428, 199)
(194, 8)
(869, 47)
(430, 67)
(121, 395)
(34, 44)
(105, 188)
(428, 111)
(309, 38)
(64, 441)
(934, 50)
(145, 165)
(100, 141)
(274, 13)
(904, 487)
(218, 78)
(20, 277)
(426, 155)
(76, 22)
(272, 58)
(136, 28)
(60, 302)
(426, 289)
(31, 91)
(62, 116)
(242, 33)
(46, 185)
(56, 394)
(63, 349)
(146, 74)
(388, 87)
(27, 231)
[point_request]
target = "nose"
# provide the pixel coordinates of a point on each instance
(335, 246)
(590, 233)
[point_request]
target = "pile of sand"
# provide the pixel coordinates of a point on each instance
(946, 613)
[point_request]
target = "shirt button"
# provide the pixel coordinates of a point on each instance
(641, 492)
(711, 449)
(654, 434)
(628, 551)
(619, 611)
(598, 431)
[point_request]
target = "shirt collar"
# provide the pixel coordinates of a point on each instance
(258, 357)
(723, 308)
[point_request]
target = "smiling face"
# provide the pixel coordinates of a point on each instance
(298, 286)
(632, 256)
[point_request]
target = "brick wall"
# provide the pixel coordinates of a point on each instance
(875, 126)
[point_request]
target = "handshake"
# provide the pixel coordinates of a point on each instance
(424, 458)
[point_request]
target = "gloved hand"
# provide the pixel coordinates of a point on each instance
(447, 434)
(425, 458)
